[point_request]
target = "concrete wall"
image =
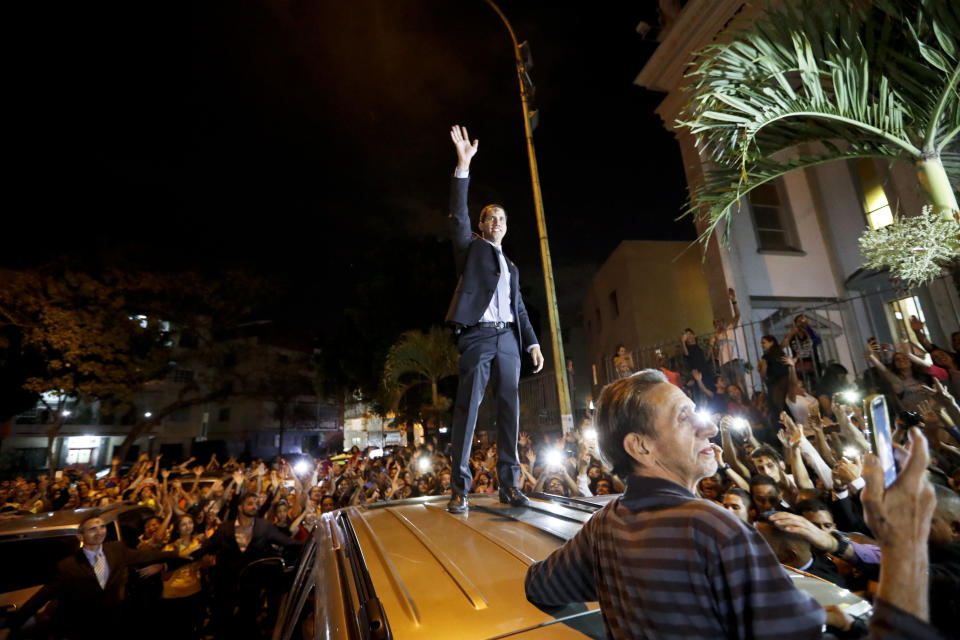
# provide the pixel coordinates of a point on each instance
(661, 289)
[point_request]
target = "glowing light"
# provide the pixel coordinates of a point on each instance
(442, 429)
(592, 407)
(147, 414)
(554, 458)
(850, 453)
(703, 415)
(423, 464)
(302, 467)
(850, 396)
(65, 412)
(590, 433)
(375, 453)
(740, 424)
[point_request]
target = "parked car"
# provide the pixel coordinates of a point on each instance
(408, 569)
(32, 545)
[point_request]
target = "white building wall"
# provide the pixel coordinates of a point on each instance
(786, 275)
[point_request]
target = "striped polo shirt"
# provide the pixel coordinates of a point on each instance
(666, 564)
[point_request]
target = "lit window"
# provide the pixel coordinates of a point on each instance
(904, 310)
(875, 204)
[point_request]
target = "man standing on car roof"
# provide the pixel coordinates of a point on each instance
(492, 325)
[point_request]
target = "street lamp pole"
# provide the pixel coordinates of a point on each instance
(559, 361)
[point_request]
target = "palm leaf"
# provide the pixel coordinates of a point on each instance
(855, 79)
(418, 358)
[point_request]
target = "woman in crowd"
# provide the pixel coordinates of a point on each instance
(183, 604)
(908, 380)
(775, 376)
(834, 381)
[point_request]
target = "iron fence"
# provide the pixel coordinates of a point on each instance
(843, 325)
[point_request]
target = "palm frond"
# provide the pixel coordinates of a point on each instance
(419, 358)
(862, 79)
(713, 202)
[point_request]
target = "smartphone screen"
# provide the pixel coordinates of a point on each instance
(882, 437)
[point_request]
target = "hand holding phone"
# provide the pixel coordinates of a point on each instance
(881, 436)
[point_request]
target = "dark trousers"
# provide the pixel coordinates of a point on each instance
(183, 617)
(487, 354)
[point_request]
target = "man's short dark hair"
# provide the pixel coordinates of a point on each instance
(490, 208)
(760, 480)
(765, 450)
(689, 330)
(622, 410)
(90, 515)
(811, 505)
(745, 497)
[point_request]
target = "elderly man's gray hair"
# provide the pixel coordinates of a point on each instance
(623, 410)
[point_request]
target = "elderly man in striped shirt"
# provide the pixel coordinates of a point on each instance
(665, 564)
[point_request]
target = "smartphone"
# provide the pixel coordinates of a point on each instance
(881, 435)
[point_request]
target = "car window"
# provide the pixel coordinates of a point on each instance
(301, 623)
(30, 562)
(304, 567)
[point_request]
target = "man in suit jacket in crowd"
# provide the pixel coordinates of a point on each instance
(89, 586)
(237, 543)
(493, 329)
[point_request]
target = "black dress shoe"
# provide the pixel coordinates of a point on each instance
(514, 497)
(457, 504)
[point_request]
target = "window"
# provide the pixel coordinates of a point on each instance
(614, 303)
(80, 456)
(903, 310)
(224, 415)
(182, 376)
(772, 219)
(875, 204)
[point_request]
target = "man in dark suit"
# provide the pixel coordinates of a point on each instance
(89, 586)
(493, 327)
(237, 543)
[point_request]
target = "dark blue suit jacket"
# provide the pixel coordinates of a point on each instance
(479, 271)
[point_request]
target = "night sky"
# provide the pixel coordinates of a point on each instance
(307, 140)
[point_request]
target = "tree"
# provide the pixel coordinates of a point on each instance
(281, 377)
(81, 328)
(109, 336)
(416, 359)
(849, 79)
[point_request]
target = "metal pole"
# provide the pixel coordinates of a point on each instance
(559, 361)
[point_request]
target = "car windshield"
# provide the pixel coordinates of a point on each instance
(30, 562)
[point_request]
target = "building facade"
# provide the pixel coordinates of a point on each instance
(272, 408)
(642, 298)
(793, 245)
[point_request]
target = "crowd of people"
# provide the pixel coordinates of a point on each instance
(196, 509)
(789, 460)
(292, 495)
(790, 453)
